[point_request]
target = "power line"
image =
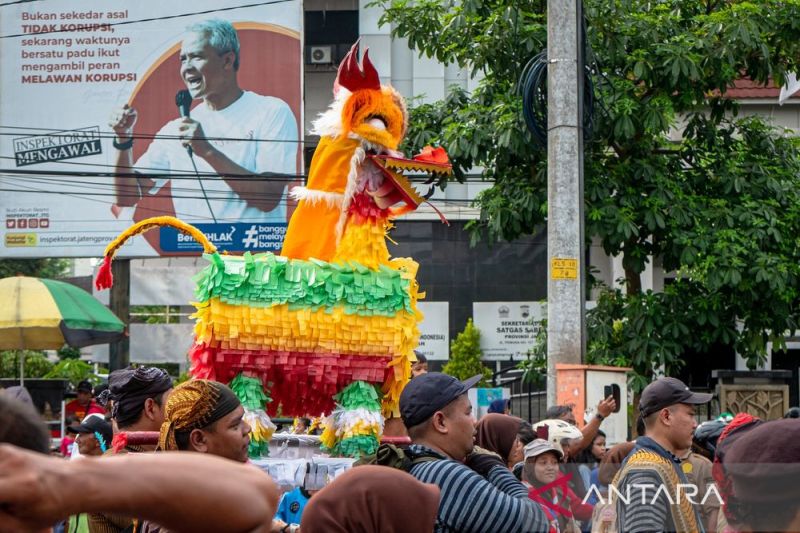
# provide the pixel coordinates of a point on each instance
(148, 136)
(157, 173)
(217, 194)
(259, 196)
(96, 190)
(154, 19)
(173, 173)
(187, 174)
(18, 2)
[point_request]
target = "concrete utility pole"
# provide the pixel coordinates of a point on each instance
(566, 341)
(119, 355)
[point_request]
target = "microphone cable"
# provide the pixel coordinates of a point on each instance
(200, 181)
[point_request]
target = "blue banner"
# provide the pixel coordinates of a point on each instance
(234, 237)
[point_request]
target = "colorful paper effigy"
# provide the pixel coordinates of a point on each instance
(332, 320)
(308, 328)
(254, 400)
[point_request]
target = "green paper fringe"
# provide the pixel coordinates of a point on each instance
(355, 447)
(250, 392)
(258, 449)
(266, 280)
(253, 397)
(359, 394)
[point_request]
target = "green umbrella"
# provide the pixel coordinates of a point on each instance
(45, 314)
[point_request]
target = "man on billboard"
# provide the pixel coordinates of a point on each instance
(219, 158)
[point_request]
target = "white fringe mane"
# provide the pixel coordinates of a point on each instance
(329, 122)
(313, 196)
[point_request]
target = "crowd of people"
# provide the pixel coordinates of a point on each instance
(500, 473)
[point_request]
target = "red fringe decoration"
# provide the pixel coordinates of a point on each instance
(363, 210)
(302, 383)
(119, 442)
(104, 279)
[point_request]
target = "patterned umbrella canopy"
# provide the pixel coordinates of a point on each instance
(45, 314)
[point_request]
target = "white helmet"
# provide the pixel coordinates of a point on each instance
(558, 430)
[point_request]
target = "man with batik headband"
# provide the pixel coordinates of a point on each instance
(205, 416)
(138, 395)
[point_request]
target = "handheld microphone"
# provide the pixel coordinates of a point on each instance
(183, 100)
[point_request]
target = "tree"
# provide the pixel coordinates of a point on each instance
(719, 206)
(75, 371)
(39, 268)
(36, 364)
(465, 356)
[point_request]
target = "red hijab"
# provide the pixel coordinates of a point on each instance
(372, 499)
(497, 433)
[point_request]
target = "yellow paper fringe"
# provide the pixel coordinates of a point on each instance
(328, 438)
(323, 331)
(259, 432)
(364, 243)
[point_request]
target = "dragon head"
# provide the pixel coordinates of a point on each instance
(373, 112)
(375, 117)
(356, 173)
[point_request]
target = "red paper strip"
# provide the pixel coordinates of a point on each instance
(302, 383)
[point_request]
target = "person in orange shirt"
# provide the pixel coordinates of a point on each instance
(84, 404)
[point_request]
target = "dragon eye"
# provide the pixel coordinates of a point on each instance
(378, 123)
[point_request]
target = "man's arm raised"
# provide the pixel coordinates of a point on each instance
(127, 186)
(589, 431)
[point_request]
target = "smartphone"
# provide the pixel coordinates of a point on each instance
(613, 390)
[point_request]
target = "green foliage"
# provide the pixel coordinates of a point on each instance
(75, 371)
(535, 366)
(155, 314)
(37, 268)
(68, 352)
(719, 206)
(465, 356)
(36, 364)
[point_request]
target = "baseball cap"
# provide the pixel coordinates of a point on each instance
(428, 393)
(92, 424)
(537, 447)
(664, 392)
(84, 386)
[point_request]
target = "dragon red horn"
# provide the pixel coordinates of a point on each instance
(354, 75)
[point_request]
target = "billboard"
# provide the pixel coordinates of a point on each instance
(93, 138)
(508, 329)
(434, 338)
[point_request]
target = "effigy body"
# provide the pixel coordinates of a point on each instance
(330, 324)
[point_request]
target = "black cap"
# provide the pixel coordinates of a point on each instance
(664, 392)
(428, 393)
(84, 386)
(94, 424)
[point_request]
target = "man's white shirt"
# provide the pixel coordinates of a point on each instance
(259, 133)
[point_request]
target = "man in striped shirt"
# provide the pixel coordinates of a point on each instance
(652, 472)
(478, 492)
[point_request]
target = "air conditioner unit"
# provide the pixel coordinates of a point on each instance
(320, 55)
